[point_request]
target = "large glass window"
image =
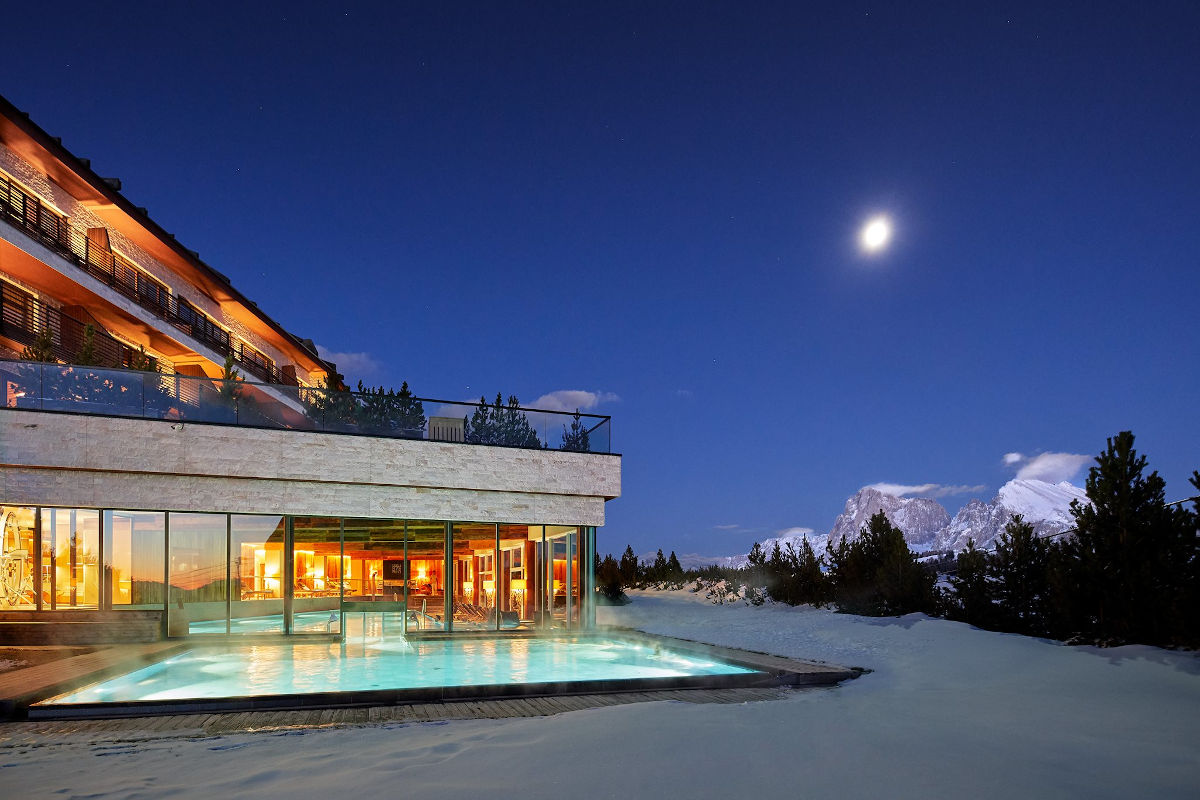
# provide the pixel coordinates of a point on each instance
(133, 555)
(18, 557)
(318, 567)
(514, 576)
(71, 557)
(256, 573)
(562, 575)
(476, 576)
(425, 569)
(199, 566)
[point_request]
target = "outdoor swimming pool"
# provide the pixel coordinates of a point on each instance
(373, 658)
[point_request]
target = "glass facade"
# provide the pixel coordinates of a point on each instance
(222, 574)
(134, 546)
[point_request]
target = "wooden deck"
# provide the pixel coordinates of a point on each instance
(135, 729)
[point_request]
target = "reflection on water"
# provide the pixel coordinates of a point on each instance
(375, 655)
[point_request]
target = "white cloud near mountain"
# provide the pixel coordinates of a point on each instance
(572, 399)
(924, 489)
(1048, 467)
(794, 532)
(358, 365)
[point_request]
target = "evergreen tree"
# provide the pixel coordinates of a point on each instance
(629, 568)
(514, 425)
(42, 348)
(1132, 554)
(410, 413)
(878, 575)
(331, 407)
(87, 356)
(480, 428)
(809, 576)
(657, 572)
(973, 594)
(674, 569)
(1019, 569)
(575, 438)
(608, 579)
(141, 362)
(229, 392)
(500, 424)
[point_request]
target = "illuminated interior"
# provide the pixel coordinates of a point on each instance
(211, 573)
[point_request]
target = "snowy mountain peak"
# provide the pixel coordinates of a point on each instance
(919, 517)
(1047, 506)
(1038, 500)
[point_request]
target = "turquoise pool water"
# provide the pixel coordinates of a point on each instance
(376, 657)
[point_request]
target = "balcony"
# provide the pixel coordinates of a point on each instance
(151, 395)
(23, 317)
(93, 255)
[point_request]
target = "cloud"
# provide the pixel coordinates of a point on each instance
(572, 399)
(685, 393)
(1048, 467)
(924, 489)
(732, 527)
(797, 531)
(360, 365)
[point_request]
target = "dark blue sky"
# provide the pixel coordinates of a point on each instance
(660, 202)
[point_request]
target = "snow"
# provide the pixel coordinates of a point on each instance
(948, 710)
(1038, 501)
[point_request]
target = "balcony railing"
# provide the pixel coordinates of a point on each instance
(28, 213)
(23, 317)
(151, 395)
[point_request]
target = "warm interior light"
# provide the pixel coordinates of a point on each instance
(420, 573)
(489, 586)
(518, 584)
(468, 587)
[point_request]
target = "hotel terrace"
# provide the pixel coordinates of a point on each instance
(146, 496)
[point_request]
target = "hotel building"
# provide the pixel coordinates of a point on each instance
(173, 462)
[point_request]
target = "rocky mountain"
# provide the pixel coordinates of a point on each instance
(920, 518)
(927, 525)
(1045, 505)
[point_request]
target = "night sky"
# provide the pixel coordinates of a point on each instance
(659, 204)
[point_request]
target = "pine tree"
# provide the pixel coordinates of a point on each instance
(608, 579)
(42, 348)
(87, 357)
(878, 575)
(410, 413)
(1132, 554)
(515, 427)
(1019, 569)
(629, 568)
(331, 407)
(657, 572)
(974, 597)
(810, 578)
(500, 424)
(576, 438)
(141, 362)
(229, 392)
(674, 569)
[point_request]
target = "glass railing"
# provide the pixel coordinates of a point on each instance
(152, 395)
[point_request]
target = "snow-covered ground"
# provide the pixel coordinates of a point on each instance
(949, 711)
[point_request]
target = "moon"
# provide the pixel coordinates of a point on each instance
(875, 234)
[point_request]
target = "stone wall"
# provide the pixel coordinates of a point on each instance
(74, 460)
